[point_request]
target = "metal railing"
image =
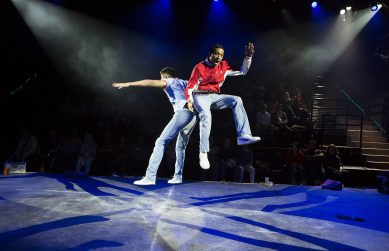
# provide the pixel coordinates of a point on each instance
(364, 113)
(333, 125)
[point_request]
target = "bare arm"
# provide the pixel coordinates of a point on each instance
(144, 82)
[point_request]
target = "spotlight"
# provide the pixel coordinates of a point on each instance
(348, 8)
(342, 12)
(375, 5)
(314, 4)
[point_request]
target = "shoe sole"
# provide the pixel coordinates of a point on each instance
(144, 184)
(248, 142)
(174, 182)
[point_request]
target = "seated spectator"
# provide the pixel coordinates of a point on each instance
(27, 150)
(333, 164)
(280, 121)
(306, 121)
(287, 106)
(295, 92)
(299, 106)
(313, 163)
(245, 163)
(279, 118)
(295, 165)
(87, 155)
(263, 125)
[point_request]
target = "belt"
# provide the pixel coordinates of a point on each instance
(204, 92)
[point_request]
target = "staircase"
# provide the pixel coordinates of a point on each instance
(330, 112)
(325, 100)
(343, 128)
(375, 148)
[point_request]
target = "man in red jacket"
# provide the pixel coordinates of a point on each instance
(203, 93)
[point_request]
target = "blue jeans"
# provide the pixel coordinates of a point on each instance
(205, 102)
(181, 124)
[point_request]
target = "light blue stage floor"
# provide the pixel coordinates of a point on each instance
(43, 212)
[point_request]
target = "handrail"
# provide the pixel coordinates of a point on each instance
(375, 122)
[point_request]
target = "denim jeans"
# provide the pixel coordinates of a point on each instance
(204, 102)
(181, 124)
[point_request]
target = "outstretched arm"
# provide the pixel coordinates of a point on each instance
(144, 82)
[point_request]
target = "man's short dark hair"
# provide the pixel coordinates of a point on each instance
(169, 71)
(214, 47)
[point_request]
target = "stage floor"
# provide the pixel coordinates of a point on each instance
(50, 212)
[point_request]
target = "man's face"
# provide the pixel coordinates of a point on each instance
(216, 57)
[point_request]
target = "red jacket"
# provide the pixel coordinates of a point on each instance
(206, 77)
(292, 158)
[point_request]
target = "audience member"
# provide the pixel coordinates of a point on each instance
(313, 162)
(332, 163)
(295, 165)
(245, 163)
(87, 155)
(287, 104)
(27, 150)
(280, 121)
(263, 124)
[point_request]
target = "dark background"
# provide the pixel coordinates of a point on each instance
(53, 50)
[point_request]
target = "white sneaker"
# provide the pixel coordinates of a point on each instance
(248, 139)
(204, 163)
(175, 180)
(144, 182)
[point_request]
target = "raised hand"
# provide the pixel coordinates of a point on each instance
(249, 49)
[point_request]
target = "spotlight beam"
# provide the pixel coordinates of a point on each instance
(84, 50)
